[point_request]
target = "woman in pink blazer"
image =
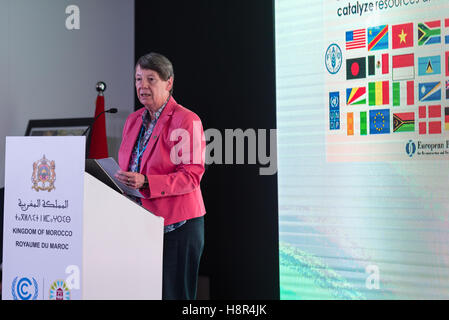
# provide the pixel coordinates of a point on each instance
(162, 155)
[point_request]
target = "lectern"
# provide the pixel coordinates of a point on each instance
(122, 246)
(69, 236)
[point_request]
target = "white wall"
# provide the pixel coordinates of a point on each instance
(48, 71)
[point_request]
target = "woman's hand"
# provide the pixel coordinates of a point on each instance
(131, 179)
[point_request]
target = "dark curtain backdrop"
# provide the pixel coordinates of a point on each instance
(223, 56)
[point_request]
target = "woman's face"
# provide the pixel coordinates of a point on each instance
(151, 90)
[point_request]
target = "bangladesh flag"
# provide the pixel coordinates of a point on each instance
(356, 68)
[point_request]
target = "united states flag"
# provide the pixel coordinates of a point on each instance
(355, 39)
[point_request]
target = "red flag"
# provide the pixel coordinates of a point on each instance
(433, 126)
(385, 64)
(98, 142)
(404, 66)
(410, 93)
(402, 35)
(447, 63)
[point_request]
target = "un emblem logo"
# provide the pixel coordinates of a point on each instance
(333, 58)
(24, 289)
(334, 101)
(410, 148)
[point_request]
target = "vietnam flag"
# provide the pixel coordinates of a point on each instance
(98, 142)
(402, 35)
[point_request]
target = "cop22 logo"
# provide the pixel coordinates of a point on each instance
(24, 289)
(410, 148)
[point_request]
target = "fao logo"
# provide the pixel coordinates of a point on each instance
(410, 148)
(333, 58)
(24, 289)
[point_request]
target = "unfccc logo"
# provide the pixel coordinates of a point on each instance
(410, 148)
(24, 289)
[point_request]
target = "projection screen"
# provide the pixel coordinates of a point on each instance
(363, 148)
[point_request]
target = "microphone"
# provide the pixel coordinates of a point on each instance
(110, 110)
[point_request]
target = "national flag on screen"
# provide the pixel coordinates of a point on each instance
(379, 121)
(446, 119)
(447, 89)
(429, 32)
(430, 91)
(356, 68)
(403, 67)
(404, 122)
(363, 123)
(447, 63)
(355, 39)
(377, 38)
(402, 35)
(378, 93)
(355, 96)
(429, 66)
(446, 26)
(430, 119)
(350, 123)
(398, 88)
(378, 64)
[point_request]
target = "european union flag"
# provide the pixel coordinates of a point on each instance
(379, 121)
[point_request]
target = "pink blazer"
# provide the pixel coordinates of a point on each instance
(173, 162)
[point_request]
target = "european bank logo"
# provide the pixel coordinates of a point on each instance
(24, 289)
(410, 148)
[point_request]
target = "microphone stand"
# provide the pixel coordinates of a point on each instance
(111, 110)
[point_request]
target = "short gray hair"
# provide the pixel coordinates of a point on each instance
(159, 63)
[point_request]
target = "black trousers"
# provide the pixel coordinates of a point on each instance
(182, 254)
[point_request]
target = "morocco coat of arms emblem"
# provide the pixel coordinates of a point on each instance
(44, 175)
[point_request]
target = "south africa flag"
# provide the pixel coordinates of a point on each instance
(429, 32)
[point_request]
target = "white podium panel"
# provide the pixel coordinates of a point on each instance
(43, 212)
(122, 246)
(69, 236)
